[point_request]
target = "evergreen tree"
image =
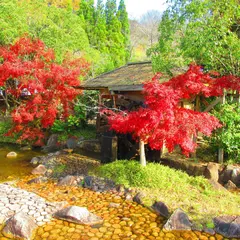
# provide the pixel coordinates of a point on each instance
(87, 12)
(115, 37)
(111, 10)
(125, 27)
(100, 30)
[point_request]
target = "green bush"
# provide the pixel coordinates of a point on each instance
(4, 128)
(131, 173)
(228, 137)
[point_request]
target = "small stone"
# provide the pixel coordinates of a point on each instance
(138, 198)
(11, 155)
(37, 180)
(114, 205)
(211, 171)
(39, 170)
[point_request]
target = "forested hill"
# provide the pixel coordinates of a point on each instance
(99, 33)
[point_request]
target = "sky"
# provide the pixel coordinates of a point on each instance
(136, 8)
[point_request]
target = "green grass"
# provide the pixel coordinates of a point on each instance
(194, 195)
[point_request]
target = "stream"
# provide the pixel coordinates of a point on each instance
(15, 167)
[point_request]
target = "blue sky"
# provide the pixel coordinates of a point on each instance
(136, 8)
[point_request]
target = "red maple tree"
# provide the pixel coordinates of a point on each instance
(48, 86)
(163, 121)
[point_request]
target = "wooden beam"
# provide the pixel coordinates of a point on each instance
(213, 104)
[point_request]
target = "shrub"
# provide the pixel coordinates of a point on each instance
(131, 173)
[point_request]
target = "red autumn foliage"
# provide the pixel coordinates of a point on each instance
(48, 85)
(163, 120)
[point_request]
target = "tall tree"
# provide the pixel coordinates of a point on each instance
(100, 28)
(204, 31)
(125, 26)
(111, 10)
(87, 12)
(115, 41)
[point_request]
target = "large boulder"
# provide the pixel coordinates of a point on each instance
(39, 170)
(228, 226)
(178, 221)
(230, 185)
(211, 171)
(78, 215)
(52, 144)
(161, 209)
(20, 225)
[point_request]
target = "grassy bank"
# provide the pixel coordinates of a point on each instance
(175, 188)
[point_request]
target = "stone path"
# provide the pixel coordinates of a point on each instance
(13, 200)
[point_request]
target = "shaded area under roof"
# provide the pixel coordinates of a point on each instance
(126, 78)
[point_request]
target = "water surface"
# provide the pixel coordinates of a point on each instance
(12, 168)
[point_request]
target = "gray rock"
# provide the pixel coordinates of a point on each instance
(178, 221)
(71, 143)
(120, 188)
(235, 177)
(211, 172)
(68, 181)
(138, 198)
(161, 209)
(217, 185)
(228, 226)
(19, 226)
(35, 160)
(78, 215)
(38, 180)
(52, 144)
(88, 182)
(230, 185)
(39, 170)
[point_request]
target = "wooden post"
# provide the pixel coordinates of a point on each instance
(220, 150)
(143, 161)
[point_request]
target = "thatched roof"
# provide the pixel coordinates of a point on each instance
(127, 78)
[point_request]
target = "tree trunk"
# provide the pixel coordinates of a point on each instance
(143, 161)
(220, 150)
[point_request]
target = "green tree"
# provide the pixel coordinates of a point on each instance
(115, 39)
(87, 12)
(100, 29)
(204, 31)
(125, 26)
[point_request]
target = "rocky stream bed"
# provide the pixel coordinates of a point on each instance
(77, 206)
